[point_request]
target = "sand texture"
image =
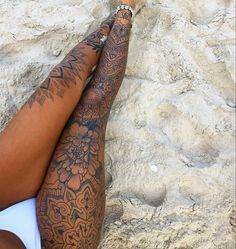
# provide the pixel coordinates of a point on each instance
(170, 144)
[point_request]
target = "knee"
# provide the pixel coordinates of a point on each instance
(93, 97)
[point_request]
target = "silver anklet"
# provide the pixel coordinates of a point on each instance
(125, 7)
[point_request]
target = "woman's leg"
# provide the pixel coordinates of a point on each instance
(29, 140)
(9, 240)
(70, 205)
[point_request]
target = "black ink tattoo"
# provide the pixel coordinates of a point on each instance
(95, 39)
(109, 21)
(125, 14)
(70, 205)
(60, 78)
(72, 67)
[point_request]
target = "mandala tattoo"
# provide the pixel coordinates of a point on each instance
(71, 68)
(70, 205)
(61, 77)
(94, 39)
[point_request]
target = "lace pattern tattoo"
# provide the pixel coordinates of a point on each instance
(60, 78)
(70, 205)
(94, 39)
(71, 70)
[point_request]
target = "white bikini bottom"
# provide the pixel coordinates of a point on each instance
(21, 220)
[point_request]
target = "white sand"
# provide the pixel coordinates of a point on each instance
(170, 139)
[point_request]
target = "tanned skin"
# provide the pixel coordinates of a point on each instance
(70, 205)
(10, 241)
(71, 201)
(27, 144)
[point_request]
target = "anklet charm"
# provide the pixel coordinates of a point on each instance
(103, 39)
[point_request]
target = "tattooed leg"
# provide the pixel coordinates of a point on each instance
(28, 142)
(70, 205)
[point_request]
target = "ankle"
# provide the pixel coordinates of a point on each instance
(105, 30)
(124, 14)
(131, 3)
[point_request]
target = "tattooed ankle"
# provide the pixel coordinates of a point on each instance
(124, 14)
(95, 40)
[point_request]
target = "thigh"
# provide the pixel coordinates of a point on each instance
(29, 140)
(70, 205)
(10, 241)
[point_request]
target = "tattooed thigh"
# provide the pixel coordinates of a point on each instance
(71, 203)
